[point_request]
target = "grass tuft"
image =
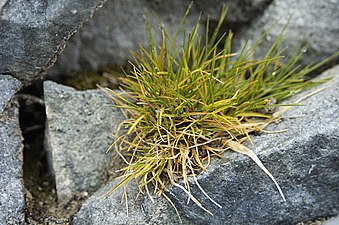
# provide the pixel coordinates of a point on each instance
(185, 105)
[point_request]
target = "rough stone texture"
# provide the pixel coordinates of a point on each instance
(117, 29)
(304, 161)
(32, 33)
(112, 210)
(78, 133)
(239, 12)
(12, 204)
(332, 221)
(313, 23)
(8, 87)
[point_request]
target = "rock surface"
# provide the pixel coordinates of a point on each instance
(303, 160)
(239, 12)
(117, 29)
(32, 33)
(8, 87)
(78, 133)
(112, 210)
(332, 221)
(12, 203)
(313, 23)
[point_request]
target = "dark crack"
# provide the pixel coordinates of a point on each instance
(41, 196)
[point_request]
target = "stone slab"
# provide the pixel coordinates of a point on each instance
(12, 201)
(78, 133)
(33, 33)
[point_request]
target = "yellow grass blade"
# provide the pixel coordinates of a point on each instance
(135, 124)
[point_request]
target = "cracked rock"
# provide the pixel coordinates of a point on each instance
(32, 33)
(116, 30)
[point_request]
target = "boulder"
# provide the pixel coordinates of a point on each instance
(303, 159)
(239, 12)
(313, 24)
(12, 200)
(78, 133)
(33, 33)
(119, 28)
(115, 31)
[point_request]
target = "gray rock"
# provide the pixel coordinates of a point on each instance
(313, 23)
(8, 87)
(239, 12)
(119, 27)
(32, 33)
(303, 160)
(116, 30)
(78, 132)
(112, 210)
(332, 221)
(12, 202)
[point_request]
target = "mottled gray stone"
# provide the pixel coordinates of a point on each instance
(112, 210)
(119, 28)
(239, 12)
(32, 33)
(313, 23)
(332, 221)
(116, 30)
(78, 132)
(8, 87)
(12, 203)
(304, 161)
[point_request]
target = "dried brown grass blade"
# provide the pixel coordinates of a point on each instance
(235, 146)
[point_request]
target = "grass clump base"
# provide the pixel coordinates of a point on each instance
(185, 105)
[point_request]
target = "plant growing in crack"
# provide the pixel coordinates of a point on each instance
(183, 106)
